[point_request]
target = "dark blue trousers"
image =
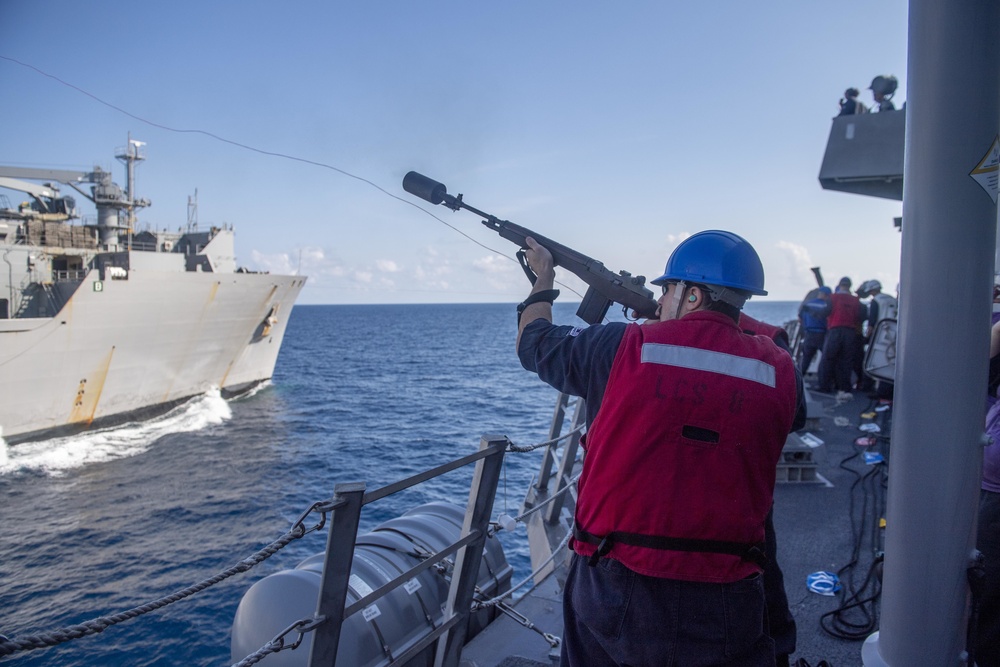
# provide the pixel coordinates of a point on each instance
(614, 617)
(988, 541)
(780, 622)
(812, 342)
(837, 362)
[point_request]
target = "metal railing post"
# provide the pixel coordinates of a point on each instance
(555, 430)
(467, 561)
(336, 573)
(566, 463)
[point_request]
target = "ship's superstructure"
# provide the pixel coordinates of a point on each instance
(99, 323)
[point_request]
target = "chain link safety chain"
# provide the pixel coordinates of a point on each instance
(97, 625)
(507, 523)
(516, 616)
(523, 620)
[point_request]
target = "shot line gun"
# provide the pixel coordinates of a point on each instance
(605, 287)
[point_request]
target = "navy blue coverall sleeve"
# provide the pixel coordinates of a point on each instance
(573, 360)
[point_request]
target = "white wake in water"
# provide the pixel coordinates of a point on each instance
(254, 391)
(57, 456)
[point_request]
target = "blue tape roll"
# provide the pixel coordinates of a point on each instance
(824, 583)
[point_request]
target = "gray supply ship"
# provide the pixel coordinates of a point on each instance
(99, 324)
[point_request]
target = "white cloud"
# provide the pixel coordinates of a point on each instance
(430, 272)
(797, 257)
(788, 272)
(312, 254)
(495, 264)
(335, 271)
(305, 261)
(273, 263)
(426, 276)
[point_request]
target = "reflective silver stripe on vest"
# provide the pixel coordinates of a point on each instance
(706, 360)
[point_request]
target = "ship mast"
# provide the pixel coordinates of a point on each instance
(946, 286)
(130, 155)
(192, 223)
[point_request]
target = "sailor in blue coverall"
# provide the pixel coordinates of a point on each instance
(686, 420)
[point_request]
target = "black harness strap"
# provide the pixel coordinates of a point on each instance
(748, 552)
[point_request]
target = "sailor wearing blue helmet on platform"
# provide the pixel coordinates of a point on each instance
(722, 262)
(687, 415)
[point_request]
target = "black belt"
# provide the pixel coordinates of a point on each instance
(748, 552)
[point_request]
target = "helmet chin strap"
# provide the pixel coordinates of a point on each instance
(677, 300)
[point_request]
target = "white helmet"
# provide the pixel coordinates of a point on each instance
(869, 286)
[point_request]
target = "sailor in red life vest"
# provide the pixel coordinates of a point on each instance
(754, 327)
(687, 417)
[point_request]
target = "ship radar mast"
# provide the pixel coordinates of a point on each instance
(107, 196)
(192, 224)
(129, 156)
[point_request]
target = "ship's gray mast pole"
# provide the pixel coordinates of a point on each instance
(130, 155)
(949, 236)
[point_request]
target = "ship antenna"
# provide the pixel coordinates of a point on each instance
(131, 154)
(193, 211)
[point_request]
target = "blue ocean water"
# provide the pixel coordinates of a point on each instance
(104, 522)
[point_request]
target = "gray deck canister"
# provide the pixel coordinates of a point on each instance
(398, 620)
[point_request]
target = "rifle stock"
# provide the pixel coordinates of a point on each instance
(604, 286)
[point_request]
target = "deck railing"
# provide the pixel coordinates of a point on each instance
(561, 469)
(72, 276)
(468, 550)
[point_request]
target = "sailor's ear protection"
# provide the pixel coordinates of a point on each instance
(692, 298)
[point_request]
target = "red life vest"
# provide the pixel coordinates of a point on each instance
(686, 444)
(757, 328)
(845, 311)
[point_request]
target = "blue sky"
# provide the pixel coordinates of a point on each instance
(615, 128)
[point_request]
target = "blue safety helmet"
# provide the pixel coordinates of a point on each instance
(716, 258)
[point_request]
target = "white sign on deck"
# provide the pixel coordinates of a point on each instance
(987, 171)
